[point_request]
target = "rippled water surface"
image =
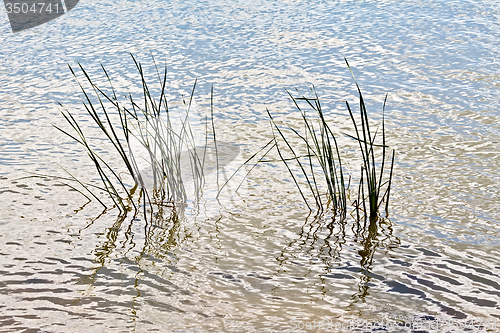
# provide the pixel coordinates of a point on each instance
(256, 260)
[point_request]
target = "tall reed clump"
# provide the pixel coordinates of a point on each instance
(372, 172)
(148, 121)
(322, 150)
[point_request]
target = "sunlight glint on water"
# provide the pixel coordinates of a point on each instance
(253, 260)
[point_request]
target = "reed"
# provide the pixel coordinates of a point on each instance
(372, 171)
(148, 121)
(322, 149)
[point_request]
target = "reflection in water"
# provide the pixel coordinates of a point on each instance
(161, 232)
(143, 266)
(325, 237)
(377, 234)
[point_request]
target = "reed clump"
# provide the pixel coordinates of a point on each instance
(322, 149)
(372, 171)
(314, 149)
(146, 120)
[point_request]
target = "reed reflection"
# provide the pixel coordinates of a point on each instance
(375, 233)
(331, 240)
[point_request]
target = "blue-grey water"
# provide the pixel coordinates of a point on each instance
(256, 261)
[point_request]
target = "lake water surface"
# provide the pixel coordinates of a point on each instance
(257, 260)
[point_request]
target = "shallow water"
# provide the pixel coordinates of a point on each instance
(256, 260)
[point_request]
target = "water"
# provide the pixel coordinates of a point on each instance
(256, 261)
